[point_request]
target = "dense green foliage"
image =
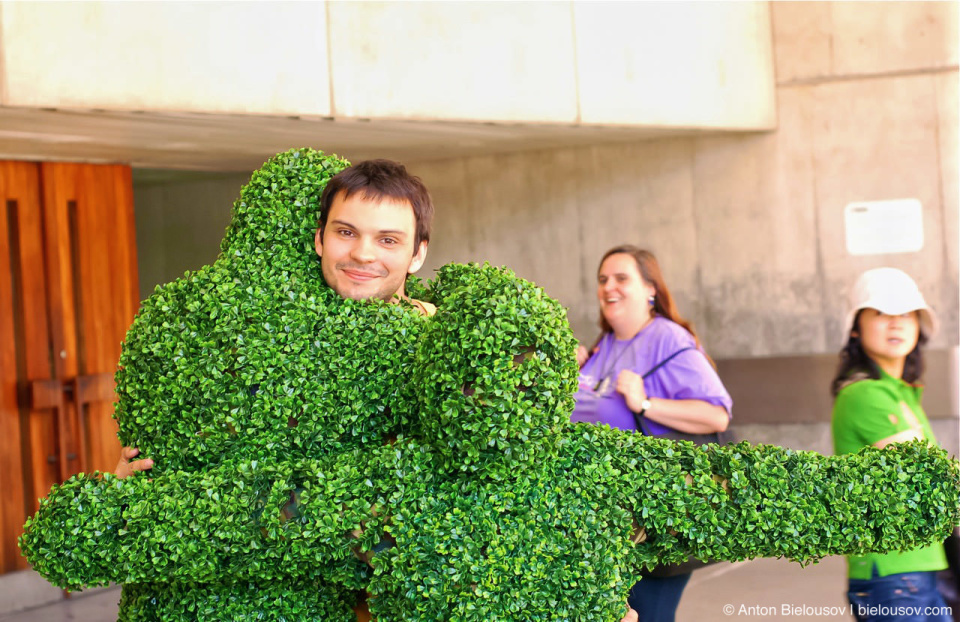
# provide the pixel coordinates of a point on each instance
(293, 430)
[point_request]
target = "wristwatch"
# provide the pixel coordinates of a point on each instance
(645, 405)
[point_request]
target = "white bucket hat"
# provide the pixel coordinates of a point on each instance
(892, 292)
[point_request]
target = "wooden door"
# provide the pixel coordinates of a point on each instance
(68, 292)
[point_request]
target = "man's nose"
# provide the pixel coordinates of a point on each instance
(364, 250)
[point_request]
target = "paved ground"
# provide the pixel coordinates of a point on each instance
(767, 589)
(752, 591)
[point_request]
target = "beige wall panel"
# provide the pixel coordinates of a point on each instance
(523, 214)
(640, 194)
(873, 140)
(876, 37)
(683, 64)
(830, 39)
(802, 39)
(948, 135)
(246, 57)
(452, 236)
(949, 132)
(757, 238)
(456, 60)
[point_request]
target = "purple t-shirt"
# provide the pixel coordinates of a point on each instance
(689, 375)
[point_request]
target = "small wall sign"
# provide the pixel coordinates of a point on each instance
(884, 227)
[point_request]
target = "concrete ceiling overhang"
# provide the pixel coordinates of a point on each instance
(221, 142)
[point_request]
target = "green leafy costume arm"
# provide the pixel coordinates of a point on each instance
(744, 501)
(235, 522)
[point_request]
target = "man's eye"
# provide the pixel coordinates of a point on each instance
(345, 232)
(389, 241)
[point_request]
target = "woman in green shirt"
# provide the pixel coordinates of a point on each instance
(878, 403)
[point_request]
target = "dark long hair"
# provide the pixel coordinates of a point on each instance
(856, 364)
(663, 304)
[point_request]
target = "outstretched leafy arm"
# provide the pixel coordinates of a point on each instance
(743, 501)
(240, 521)
(306, 520)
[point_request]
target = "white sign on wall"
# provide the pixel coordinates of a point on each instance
(882, 227)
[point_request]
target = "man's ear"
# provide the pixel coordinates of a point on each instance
(418, 258)
(318, 243)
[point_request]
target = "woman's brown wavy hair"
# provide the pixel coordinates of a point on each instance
(663, 304)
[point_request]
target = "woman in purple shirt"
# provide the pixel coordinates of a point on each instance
(641, 329)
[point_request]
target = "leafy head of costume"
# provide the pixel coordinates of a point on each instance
(309, 449)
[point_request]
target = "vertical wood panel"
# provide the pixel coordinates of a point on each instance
(68, 292)
(38, 364)
(128, 258)
(24, 473)
(13, 180)
(106, 195)
(11, 480)
(97, 247)
(59, 188)
(126, 300)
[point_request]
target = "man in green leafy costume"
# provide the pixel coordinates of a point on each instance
(298, 433)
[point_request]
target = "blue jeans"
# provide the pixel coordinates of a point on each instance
(656, 600)
(905, 597)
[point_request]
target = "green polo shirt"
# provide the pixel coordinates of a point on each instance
(865, 412)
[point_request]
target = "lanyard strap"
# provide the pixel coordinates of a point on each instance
(697, 439)
(607, 366)
(666, 360)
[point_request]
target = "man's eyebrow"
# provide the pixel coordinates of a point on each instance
(397, 232)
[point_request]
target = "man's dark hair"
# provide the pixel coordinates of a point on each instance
(376, 179)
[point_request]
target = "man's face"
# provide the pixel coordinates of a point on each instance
(367, 248)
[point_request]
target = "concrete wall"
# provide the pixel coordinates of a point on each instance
(676, 64)
(749, 228)
(180, 223)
